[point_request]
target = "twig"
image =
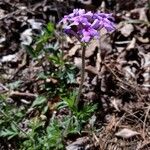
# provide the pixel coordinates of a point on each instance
(82, 75)
(120, 80)
(122, 42)
(11, 14)
(23, 95)
(145, 119)
(134, 87)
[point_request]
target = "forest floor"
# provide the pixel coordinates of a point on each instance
(36, 80)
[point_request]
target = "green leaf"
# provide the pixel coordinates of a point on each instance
(14, 128)
(69, 101)
(45, 109)
(70, 77)
(30, 50)
(39, 47)
(50, 28)
(84, 114)
(14, 85)
(39, 101)
(62, 105)
(8, 133)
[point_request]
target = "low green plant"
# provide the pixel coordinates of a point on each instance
(49, 133)
(14, 85)
(59, 69)
(53, 138)
(40, 103)
(78, 116)
(40, 41)
(10, 119)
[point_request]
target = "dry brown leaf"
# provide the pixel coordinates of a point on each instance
(142, 13)
(78, 62)
(127, 29)
(91, 69)
(105, 45)
(126, 133)
(2, 13)
(115, 104)
(143, 40)
(86, 2)
(91, 48)
(9, 58)
(80, 142)
(74, 49)
(132, 44)
(91, 95)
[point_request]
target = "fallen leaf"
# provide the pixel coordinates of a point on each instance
(143, 40)
(9, 58)
(127, 29)
(34, 24)
(126, 133)
(142, 13)
(26, 38)
(78, 144)
(78, 62)
(2, 13)
(115, 103)
(91, 69)
(105, 45)
(91, 48)
(132, 44)
(74, 49)
(92, 120)
(2, 39)
(86, 2)
(91, 96)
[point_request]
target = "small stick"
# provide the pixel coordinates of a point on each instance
(29, 96)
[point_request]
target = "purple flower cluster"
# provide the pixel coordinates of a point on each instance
(85, 25)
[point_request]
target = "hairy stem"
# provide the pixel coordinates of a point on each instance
(82, 75)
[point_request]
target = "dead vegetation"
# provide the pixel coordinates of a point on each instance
(117, 70)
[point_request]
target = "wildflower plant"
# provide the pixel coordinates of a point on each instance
(85, 26)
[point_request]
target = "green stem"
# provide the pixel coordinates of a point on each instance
(82, 75)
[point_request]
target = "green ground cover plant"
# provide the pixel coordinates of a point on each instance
(41, 131)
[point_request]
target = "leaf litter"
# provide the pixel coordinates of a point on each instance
(117, 76)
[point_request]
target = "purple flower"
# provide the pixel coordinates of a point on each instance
(85, 25)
